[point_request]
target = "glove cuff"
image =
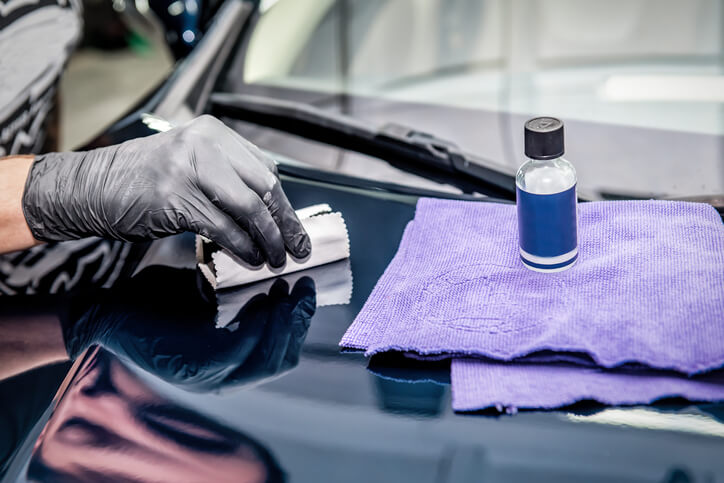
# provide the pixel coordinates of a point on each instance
(57, 202)
(31, 203)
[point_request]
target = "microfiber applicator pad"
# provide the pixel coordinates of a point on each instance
(648, 288)
(479, 384)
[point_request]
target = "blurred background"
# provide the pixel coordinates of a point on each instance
(117, 64)
(653, 65)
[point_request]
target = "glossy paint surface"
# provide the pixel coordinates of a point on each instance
(192, 407)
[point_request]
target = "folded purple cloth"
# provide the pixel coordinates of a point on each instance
(648, 287)
(509, 386)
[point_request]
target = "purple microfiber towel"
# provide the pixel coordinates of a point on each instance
(509, 386)
(648, 287)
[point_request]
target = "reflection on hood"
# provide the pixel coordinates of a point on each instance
(161, 322)
(110, 425)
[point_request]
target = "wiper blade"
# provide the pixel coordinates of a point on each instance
(401, 146)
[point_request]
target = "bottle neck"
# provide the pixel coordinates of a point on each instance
(547, 160)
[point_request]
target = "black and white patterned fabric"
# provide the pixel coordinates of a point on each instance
(36, 39)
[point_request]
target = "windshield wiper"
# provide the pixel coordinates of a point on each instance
(400, 146)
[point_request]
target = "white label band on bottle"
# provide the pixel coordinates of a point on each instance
(549, 264)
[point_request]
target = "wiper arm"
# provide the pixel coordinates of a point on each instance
(401, 146)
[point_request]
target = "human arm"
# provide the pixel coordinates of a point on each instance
(200, 177)
(14, 231)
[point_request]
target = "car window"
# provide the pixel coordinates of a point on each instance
(639, 83)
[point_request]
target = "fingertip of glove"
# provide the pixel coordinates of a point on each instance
(303, 246)
(278, 263)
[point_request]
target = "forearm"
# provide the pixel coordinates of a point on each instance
(14, 231)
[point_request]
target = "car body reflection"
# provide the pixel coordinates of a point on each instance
(110, 425)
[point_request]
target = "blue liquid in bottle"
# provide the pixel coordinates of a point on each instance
(546, 200)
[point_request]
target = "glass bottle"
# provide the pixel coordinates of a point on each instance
(546, 199)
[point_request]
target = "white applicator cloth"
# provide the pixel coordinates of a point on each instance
(330, 242)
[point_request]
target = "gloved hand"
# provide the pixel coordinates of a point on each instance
(200, 177)
(161, 323)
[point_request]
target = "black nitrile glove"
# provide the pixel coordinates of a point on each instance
(161, 323)
(200, 177)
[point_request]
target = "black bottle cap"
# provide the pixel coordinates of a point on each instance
(544, 138)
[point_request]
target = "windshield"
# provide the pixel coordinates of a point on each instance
(639, 83)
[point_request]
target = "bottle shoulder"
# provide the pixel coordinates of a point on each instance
(546, 176)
